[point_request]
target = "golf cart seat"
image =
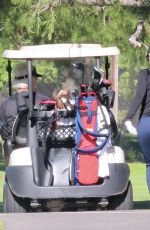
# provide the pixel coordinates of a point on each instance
(19, 131)
(19, 134)
(19, 128)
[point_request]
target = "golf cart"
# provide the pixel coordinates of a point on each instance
(54, 169)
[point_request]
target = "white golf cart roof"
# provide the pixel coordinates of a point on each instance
(60, 51)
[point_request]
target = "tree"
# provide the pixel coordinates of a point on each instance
(39, 22)
(54, 3)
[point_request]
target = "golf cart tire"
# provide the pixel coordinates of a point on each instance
(13, 204)
(122, 201)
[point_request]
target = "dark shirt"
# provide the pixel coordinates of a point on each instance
(142, 96)
(9, 111)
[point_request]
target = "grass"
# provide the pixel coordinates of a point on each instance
(1, 226)
(138, 178)
(141, 194)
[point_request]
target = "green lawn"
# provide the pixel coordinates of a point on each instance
(141, 194)
(138, 178)
(1, 226)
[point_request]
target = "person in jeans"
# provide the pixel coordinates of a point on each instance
(142, 99)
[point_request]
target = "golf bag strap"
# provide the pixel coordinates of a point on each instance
(94, 133)
(93, 150)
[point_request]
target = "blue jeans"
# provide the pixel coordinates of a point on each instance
(144, 141)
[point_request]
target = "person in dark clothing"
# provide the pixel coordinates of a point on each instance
(9, 106)
(142, 99)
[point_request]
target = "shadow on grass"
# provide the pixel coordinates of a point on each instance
(131, 147)
(2, 166)
(145, 204)
(1, 207)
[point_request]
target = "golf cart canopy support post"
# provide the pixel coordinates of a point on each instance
(9, 69)
(70, 51)
(30, 86)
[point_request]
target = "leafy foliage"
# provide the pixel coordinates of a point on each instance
(40, 22)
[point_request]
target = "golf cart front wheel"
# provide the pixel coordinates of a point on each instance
(122, 201)
(12, 203)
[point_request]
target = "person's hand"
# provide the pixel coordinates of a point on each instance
(131, 129)
(63, 100)
(63, 93)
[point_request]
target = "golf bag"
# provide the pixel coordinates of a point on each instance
(86, 157)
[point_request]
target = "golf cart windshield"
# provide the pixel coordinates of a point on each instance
(80, 57)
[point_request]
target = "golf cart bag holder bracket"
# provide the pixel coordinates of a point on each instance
(55, 134)
(63, 136)
(61, 132)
